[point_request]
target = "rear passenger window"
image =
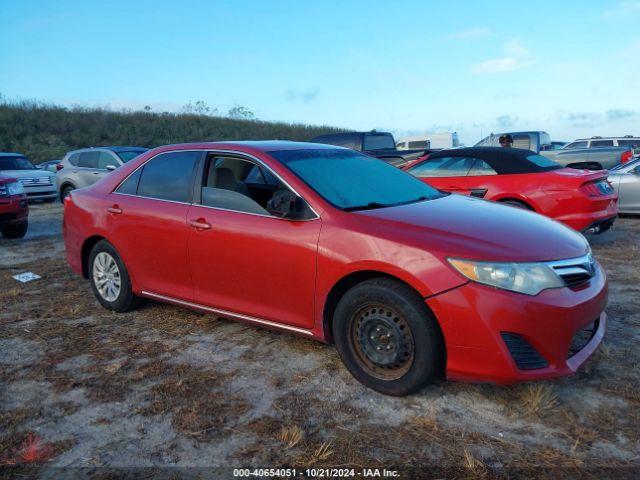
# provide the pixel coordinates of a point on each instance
(480, 167)
(601, 143)
(130, 185)
(169, 176)
(443, 167)
(522, 141)
(88, 159)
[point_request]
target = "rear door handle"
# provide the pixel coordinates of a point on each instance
(115, 209)
(200, 224)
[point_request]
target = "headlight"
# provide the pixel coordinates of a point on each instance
(15, 188)
(527, 278)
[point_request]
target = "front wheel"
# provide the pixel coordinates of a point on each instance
(17, 230)
(109, 278)
(387, 337)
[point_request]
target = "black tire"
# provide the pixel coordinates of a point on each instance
(125, 300)
(517, 204)
(391, 307)
(66, 190)
(17, 230)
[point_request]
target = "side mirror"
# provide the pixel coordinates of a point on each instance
(286, 204)
(111, 168)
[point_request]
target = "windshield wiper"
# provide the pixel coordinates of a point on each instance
(368, 206)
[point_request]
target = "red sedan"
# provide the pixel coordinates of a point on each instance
(14, 210)
(325, 242)
(581, 199)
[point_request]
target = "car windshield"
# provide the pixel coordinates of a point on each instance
(15, 163)
(544, 164)
(352, 181)
(126, 156)
(378, 141)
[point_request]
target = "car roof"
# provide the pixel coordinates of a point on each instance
(113, 149)
(10, 154)
(251, 146)
(503, 160)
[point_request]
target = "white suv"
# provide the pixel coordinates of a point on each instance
(599, 142)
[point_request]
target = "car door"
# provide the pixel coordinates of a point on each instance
(480, 178)
(86, 172)
(448, 174)
(147, 219)
(629, 191)
(244, 260)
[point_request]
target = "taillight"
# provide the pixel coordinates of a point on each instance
(59, 167)
(626, 156)
(596, 188)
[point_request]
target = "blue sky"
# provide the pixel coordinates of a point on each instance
(571, 67)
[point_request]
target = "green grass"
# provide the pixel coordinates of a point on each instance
(45, 131)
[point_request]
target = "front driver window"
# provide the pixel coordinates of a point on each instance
(239, 185)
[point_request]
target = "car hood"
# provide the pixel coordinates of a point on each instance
(466, 227)
(36, 173)
(6, 179)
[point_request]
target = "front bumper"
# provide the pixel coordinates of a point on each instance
(41, 193)
(474, 318)
(13, 210)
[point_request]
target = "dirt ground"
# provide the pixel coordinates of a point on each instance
(164, 386)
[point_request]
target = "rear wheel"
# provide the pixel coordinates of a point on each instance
(66, 190)
(17, 230)
(109, 278)
(387, 337)
(517, 204)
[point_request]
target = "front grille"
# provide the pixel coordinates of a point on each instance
(522, 352)
(36, 181)
(576, 270)
(582, 337)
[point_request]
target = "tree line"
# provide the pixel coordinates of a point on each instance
(44, 131)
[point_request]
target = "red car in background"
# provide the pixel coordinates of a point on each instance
(582, 199)
(331, 244)
(14, 209)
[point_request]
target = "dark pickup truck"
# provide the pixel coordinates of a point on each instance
(377, 144)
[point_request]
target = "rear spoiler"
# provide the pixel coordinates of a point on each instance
(586, 166)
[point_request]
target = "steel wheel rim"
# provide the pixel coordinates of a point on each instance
(106, 276)
(382, 341)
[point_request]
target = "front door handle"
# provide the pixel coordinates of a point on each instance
(115, 209)
(200, 224)
(96, 173)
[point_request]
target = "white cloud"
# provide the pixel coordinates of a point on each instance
(516, 48)
(517, 56)
(623, 9)
(471, 34)
(497, 65)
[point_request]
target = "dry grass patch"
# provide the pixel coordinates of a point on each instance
(538, 399)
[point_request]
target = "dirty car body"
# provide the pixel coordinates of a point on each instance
(223, 246)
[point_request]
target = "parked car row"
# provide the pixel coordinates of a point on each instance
(596, 154)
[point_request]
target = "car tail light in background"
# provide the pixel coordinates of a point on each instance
(59, 167)
(626, 156)
(596, 188)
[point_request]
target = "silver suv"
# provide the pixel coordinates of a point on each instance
(600, 142)
(85, 167)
